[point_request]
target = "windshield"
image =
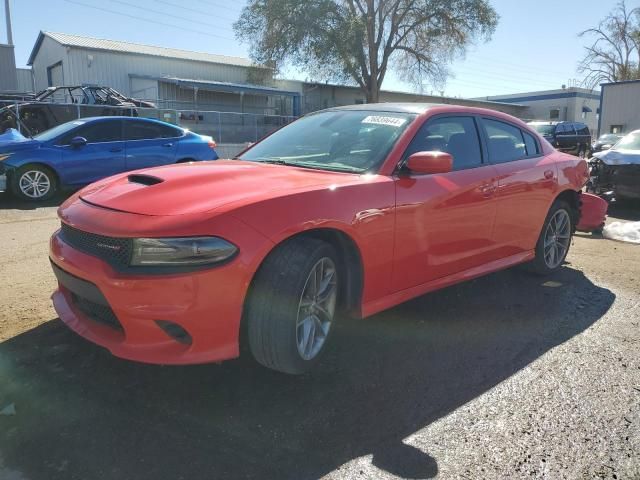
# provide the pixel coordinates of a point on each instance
(630, 142)
(544, 129)
(341, 140)
(57, 131)
(609, 138)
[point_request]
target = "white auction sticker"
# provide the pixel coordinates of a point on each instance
(381, 120)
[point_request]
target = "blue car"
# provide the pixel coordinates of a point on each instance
(82, 151)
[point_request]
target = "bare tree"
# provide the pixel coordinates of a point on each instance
(615, 53)
(358, 40)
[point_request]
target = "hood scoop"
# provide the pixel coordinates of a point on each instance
(144, 179)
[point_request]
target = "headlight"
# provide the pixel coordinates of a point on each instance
(4, 157)
(193, 251)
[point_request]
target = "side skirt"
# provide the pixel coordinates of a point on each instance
(396, 298)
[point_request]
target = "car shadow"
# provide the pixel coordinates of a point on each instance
(81, 413)
(11, 202)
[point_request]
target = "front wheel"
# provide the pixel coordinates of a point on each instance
(291, 307)
(34, 183)
(555, 239)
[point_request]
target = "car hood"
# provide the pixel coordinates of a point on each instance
(205, 186)
(619, 157)
(12, 140)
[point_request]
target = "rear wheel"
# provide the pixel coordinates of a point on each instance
(555, 239)
(291, 307)
(34, 183)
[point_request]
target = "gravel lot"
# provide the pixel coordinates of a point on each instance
(507, 376)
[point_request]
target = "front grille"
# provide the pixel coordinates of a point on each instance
(113, 250)
(98, 313)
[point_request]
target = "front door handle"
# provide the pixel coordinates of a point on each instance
(168, 145)
(487, 189)
(115, 149)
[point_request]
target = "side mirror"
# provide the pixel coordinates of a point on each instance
(77, 142)
(430, 162)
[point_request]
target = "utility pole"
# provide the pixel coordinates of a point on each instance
(7, 14)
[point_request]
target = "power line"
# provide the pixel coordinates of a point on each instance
(135, 17)
(491, 76)
(528, 69)
(199, 12)
(177, 17)
(213, 4)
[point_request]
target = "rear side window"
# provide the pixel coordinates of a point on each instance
(457, 136)
(582, 129)
(140, 130)
(530, 144)
(505, 141)
(565, 129)
(98, 132)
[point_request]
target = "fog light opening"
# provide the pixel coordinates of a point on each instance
(175, 331)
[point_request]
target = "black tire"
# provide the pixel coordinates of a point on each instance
(272, 308)
(47, 173)
(539, 264)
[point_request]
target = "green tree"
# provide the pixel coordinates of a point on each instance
(614, 54)
(360, 40)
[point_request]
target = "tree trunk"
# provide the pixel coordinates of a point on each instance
(373, 94)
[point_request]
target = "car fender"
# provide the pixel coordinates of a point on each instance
(366, 216)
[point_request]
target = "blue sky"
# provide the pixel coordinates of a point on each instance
(535, 46)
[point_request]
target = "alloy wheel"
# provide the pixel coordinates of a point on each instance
(316, 308)
(34, 184)
(557, 238)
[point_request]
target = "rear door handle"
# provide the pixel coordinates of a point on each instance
(115, 149)
(548, 174)
(168, 144)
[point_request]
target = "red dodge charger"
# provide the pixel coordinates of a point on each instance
(352, 209)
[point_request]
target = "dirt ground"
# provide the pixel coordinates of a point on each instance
(507, 376)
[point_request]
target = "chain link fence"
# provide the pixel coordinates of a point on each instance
(31, 118)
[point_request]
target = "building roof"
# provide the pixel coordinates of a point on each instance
(544, 95)
(219, 86)
(91, 43)
(437, 99)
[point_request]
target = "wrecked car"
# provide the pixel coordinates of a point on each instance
(617, 170)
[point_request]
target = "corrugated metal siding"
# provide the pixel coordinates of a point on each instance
(118, 46)
(50, 53)
(25, 81)
(113, 69)
(621, 106)
(8, 81)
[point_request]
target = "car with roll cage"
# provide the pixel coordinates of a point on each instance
(348, 210)
(54, 106)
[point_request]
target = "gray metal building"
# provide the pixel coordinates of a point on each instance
(316, 96)
(173, 78)
(571, 104)
(8, 76)
(619, 107)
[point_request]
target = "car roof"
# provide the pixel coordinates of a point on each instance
(391, 107)
(121, 117)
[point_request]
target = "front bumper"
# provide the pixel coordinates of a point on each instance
(121, 312)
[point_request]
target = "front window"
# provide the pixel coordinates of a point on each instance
(630, 142)
(54, 132)
(355, 141)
